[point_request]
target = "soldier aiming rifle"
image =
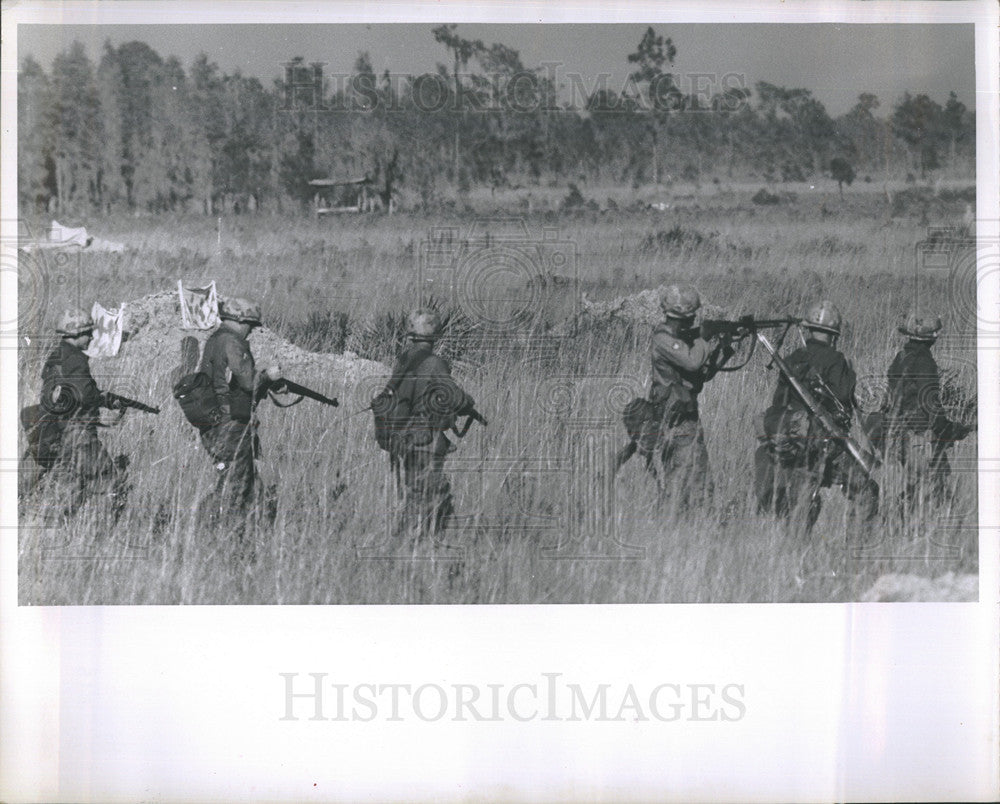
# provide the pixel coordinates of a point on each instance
(666, 428)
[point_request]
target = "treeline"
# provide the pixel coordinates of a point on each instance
(138, 132)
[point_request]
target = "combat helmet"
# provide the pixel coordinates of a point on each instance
(423, 325)
(74, 322)
(679, 302)
(241, 310)
(823, 316)
(921, 328)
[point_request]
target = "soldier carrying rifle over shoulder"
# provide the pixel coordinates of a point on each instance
(798, 455)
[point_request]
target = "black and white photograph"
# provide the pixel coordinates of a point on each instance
(648, 326)
(389, 317)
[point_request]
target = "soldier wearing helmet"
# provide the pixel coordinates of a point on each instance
(794, 459)
(668, 427)
(233, 442)
(912, 422)
(426, 400)
(66, 440)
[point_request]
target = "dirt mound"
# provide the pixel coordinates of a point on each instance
(150, 351)
(898, 588)
(643, 306)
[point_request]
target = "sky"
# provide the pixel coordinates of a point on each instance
(836, 61)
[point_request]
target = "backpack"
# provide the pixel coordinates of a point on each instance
(44, 432)
(394, 415)
(196, 396)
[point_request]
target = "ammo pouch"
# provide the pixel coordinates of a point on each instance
(196, 396)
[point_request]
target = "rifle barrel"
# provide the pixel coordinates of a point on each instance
(301, 390)
(125, 402)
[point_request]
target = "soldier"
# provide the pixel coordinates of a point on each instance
(422, 383)
(233, 443)
(66, 444)
(668, 425)
(795, 457)
(914, 425)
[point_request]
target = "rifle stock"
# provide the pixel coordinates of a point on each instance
(818, 412)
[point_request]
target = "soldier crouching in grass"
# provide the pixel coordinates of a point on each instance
(912, 425)
(63, 441)
(796, 458)
(233, 442)
(667, 426)
(425, 401)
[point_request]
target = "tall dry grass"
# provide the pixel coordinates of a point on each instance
(539, 520)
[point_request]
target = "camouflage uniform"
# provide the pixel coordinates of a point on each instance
(914, 428)
(233, 443)
(435, 399)
(667, 426)
(680, 367)
(795, 458)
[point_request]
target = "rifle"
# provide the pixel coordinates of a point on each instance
(818, 412)
(741, 327)
(113, 401)
(728, 332)
(61, 401)
(283, 386)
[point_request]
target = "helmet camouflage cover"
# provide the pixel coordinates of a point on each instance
(74, 322)
(823, 316)
(679, 302)
(921, 327)
(424, 324)
(241, 310)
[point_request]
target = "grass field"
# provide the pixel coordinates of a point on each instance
(538, 521)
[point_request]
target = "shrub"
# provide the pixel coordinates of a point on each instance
(574, 199)
(763, 197)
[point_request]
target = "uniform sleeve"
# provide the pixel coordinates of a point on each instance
(673, 350)
(927, 397)
(240, 366)
(893, 378)
(842, 380)
(76, 373)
